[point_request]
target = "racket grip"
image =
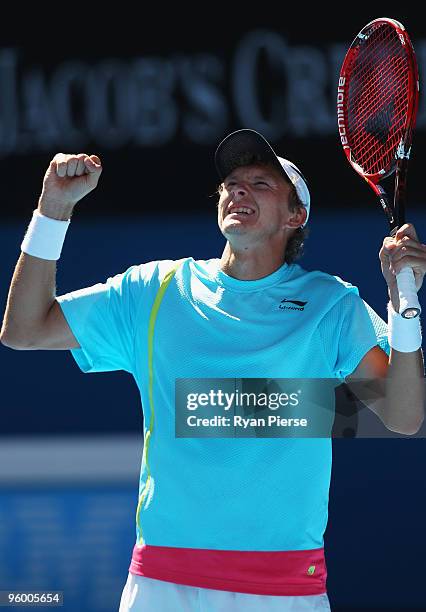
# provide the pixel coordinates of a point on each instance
(409, 306)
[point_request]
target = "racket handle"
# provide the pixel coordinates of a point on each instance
(409, 306)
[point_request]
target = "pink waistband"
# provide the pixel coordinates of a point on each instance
(295, 572)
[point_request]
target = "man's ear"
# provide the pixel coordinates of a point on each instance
(298, 218)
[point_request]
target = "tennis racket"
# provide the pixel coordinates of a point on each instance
(377, 100)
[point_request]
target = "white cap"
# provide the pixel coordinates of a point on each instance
(232, 149)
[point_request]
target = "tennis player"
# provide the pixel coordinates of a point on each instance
(231, 524)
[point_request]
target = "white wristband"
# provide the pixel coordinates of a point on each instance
(44, 237)
(404, 335)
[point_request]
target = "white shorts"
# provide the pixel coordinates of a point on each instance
(142, 594)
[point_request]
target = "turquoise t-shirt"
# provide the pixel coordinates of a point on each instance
(235, 494)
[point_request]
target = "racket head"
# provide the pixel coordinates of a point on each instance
(377, 99)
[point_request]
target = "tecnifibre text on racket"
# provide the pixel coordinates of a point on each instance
(377, 101)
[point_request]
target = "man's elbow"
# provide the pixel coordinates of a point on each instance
(417, 426)
(18, 343)
(408, 429)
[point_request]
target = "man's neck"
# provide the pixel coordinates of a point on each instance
(249, 265)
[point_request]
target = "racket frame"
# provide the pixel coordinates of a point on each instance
(395, 212)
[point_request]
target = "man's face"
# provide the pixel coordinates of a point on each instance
(253, 204)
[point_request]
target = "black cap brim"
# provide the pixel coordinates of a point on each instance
(234, 149)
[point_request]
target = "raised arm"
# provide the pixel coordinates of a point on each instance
(33, 319)
(394, 388)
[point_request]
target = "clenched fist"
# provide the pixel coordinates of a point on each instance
(67, 180)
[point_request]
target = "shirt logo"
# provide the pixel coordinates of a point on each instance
(297, 305)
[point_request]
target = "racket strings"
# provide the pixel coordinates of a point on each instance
(380, 124)
(377, 100)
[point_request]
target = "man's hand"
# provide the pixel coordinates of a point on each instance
(67, 180)
(399, 252)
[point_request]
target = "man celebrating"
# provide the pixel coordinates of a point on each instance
(224, 523)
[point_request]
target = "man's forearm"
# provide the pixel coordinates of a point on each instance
(32, 291)
(31, 295)
(405, 392)
(405, 385)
